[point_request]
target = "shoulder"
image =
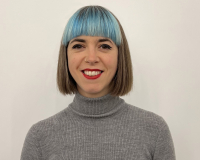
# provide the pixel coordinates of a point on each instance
(145, 118)
(50, 124)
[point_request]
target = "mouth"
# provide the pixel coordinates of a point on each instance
(91, 75)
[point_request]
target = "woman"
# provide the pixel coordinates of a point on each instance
(95, 65)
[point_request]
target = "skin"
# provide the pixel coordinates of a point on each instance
(99, 55)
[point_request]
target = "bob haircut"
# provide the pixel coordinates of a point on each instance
(96, 21)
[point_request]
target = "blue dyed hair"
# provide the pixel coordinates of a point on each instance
(92, 21)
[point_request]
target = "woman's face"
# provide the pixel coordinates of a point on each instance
(100, 53)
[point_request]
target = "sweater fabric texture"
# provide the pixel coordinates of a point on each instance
(103, 128)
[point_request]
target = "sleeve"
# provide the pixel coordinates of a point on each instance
(164, 149)
(31, 148)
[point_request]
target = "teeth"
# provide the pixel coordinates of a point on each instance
(92, 73)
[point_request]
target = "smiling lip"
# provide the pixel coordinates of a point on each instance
(91, 77)
(87, 69)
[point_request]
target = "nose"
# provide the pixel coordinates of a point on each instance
(92, 56)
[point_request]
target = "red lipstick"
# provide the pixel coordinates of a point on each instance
(91, 77)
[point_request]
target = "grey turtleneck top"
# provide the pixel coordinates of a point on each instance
(103, 128)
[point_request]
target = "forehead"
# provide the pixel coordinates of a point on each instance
(84, 38)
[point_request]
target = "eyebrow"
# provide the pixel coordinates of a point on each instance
(82, 40)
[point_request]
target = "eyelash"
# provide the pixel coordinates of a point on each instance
(77, 46)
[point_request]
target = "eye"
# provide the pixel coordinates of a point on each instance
(105, 46)
(77, 46)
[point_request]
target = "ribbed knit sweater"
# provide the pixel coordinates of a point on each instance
(103, 128)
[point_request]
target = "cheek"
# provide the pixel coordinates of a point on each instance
(71, 63)
(72, 60)
(74, 63)
(112, 62)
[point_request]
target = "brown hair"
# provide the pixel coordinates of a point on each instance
(120, 85)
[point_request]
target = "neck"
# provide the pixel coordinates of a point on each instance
(93, 95)
(96, 107)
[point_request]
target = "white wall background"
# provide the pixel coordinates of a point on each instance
(164, 39)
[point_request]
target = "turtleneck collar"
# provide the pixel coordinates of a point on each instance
(96, 107)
